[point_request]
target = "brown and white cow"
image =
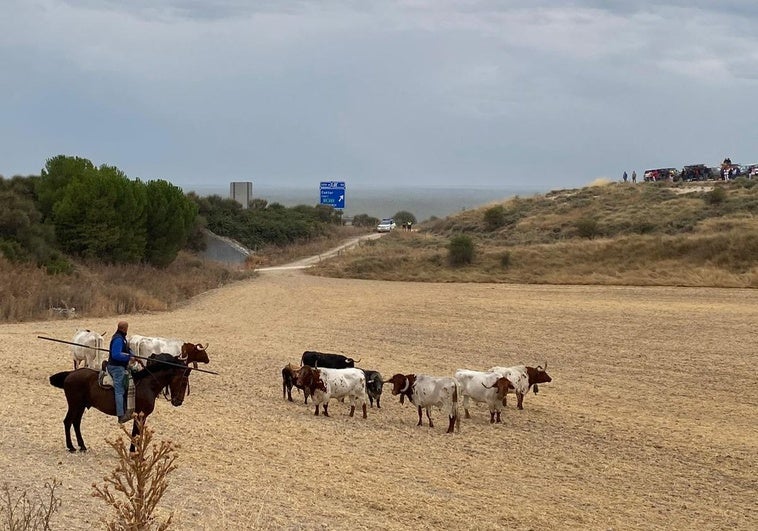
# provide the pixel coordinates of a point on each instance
(487, 387)
(325, 384)
(426, 392)
(523, 378)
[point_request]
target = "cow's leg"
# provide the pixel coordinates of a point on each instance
(498, 417)
(377, 402)
(429, 416)
(465, 406)
(352, 409)
(364, 410)
(451, 426)
(326, 413)
(289, 393)
(371, 400)
(492, 417)
(520, 398)
(316, 413)
(419, 417)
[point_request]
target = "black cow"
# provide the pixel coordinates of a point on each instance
(289, 379)
(374, 385)
(328, 361)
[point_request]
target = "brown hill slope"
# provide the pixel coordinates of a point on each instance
(681, 234)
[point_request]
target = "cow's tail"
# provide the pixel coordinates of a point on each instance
(56, 380)
(457, 394)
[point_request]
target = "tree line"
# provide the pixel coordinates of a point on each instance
(75, 209)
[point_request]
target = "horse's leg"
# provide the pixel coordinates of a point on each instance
(135, 432)
(67, 427)
(77, 420)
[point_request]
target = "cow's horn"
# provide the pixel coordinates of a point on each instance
(357, 361)
(201, 347)
(545, 367)
(406, 386)
(488, 387)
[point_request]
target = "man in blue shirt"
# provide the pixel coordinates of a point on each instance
(118, 362)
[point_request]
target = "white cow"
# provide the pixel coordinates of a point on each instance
(88, 356)
(522, 378)
(145, 346)
(426, 392)
(486, 387)
(325, 384)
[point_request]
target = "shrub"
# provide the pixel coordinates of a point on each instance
(494, 217)
(716, 196)
(403, 217)
(505, 259)
(138, 481)
(587, 227)
(460, 250)
(23, 513)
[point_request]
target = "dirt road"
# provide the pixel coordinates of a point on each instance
(651, 421)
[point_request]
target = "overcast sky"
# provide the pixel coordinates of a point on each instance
(531, 93)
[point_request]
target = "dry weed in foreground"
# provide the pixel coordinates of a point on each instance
(141, 478)
(24, 513)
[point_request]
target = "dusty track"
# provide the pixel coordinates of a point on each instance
(651, 421)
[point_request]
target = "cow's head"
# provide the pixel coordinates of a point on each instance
(401, 385)
(350, 363)
(309, 379)
(538, 375)
(195, 353)
(503, 385)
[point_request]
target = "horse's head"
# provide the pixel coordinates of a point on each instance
(179, 384)
(172, 372)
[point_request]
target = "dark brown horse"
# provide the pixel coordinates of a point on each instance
(82, 392)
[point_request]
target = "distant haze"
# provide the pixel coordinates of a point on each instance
(422, 202)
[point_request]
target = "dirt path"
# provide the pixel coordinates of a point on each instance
(651, 421)
(307, 262)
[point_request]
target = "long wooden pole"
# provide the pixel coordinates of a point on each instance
(133, 355)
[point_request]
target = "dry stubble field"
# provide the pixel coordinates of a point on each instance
(651, 421)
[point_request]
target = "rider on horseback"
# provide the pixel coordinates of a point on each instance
(118, 362)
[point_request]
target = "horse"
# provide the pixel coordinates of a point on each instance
(83, 391)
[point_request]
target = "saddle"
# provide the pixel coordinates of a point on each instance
(105, 380)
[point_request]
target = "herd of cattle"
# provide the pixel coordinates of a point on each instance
(322, 376)
(91, 350)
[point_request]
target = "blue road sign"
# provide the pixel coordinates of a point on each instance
(333, 193)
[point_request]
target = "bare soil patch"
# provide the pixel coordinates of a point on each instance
(651, 421)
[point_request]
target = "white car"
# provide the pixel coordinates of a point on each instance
(386, 225)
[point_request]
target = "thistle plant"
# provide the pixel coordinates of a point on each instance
(138, 482)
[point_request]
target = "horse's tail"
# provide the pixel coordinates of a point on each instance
(56, 380)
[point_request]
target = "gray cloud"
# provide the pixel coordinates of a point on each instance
(436, 92)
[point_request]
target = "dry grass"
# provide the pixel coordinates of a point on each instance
(97, 290)
(603, 234)
(650, 422)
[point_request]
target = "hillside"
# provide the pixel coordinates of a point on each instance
(669, 234)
